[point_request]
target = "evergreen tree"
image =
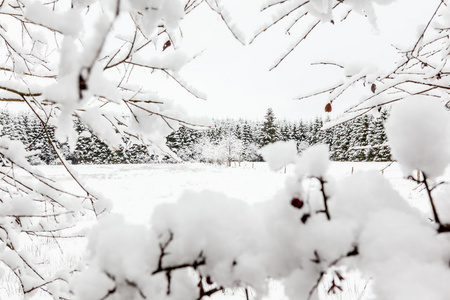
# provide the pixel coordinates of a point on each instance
(377, 137)
(316, 134)
(215, 133)
(326, 136)
(285, 131)
(249, 144)
(238, 130)
(359, 138)
(300, 133)
(269, 130)
(341, 142)
(182, 142)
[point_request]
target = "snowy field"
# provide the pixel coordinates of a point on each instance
(136, 189)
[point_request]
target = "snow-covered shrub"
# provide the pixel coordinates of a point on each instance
(232, 148)
(209, 152)
(208, 242)
(227, 150)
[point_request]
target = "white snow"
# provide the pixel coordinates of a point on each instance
(66, 22)
(314, 161)
(279, 154)
(137, 192)
(418, 131)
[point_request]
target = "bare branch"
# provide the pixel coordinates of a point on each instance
(217, 10)
(426, 27)
(278, 20)
(295, 46)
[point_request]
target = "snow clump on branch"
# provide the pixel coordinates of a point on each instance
(418, 131)
(279, 154)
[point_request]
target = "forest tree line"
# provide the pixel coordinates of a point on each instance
(225, 142)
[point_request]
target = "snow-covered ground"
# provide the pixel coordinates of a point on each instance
(136, 189)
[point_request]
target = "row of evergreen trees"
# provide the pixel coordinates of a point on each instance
(239, 140)
(226, 141)
(89, 149)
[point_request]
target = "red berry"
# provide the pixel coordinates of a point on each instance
(328, 107)
(297, 203)
(209, 280)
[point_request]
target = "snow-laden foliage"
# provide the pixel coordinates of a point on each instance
(93, 69)
(208, 242)
(279, 154)
(67, 61)
(228, 149)
(91, 60)
(419, 142)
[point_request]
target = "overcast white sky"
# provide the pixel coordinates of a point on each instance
(237, 79)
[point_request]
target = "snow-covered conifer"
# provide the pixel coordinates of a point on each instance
(269, 130)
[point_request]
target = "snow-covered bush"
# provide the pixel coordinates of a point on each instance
(227, 150)
(232, 149)
(209, 152)
(316, 225)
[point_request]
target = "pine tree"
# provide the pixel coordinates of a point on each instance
(377, 137)
(269, 131)
(284, 131)
(215, 133)
(183, 143)
(316, 134)
(359, 138)
(238, 130)
(326, 136)
(341, 142)
(249, 145)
